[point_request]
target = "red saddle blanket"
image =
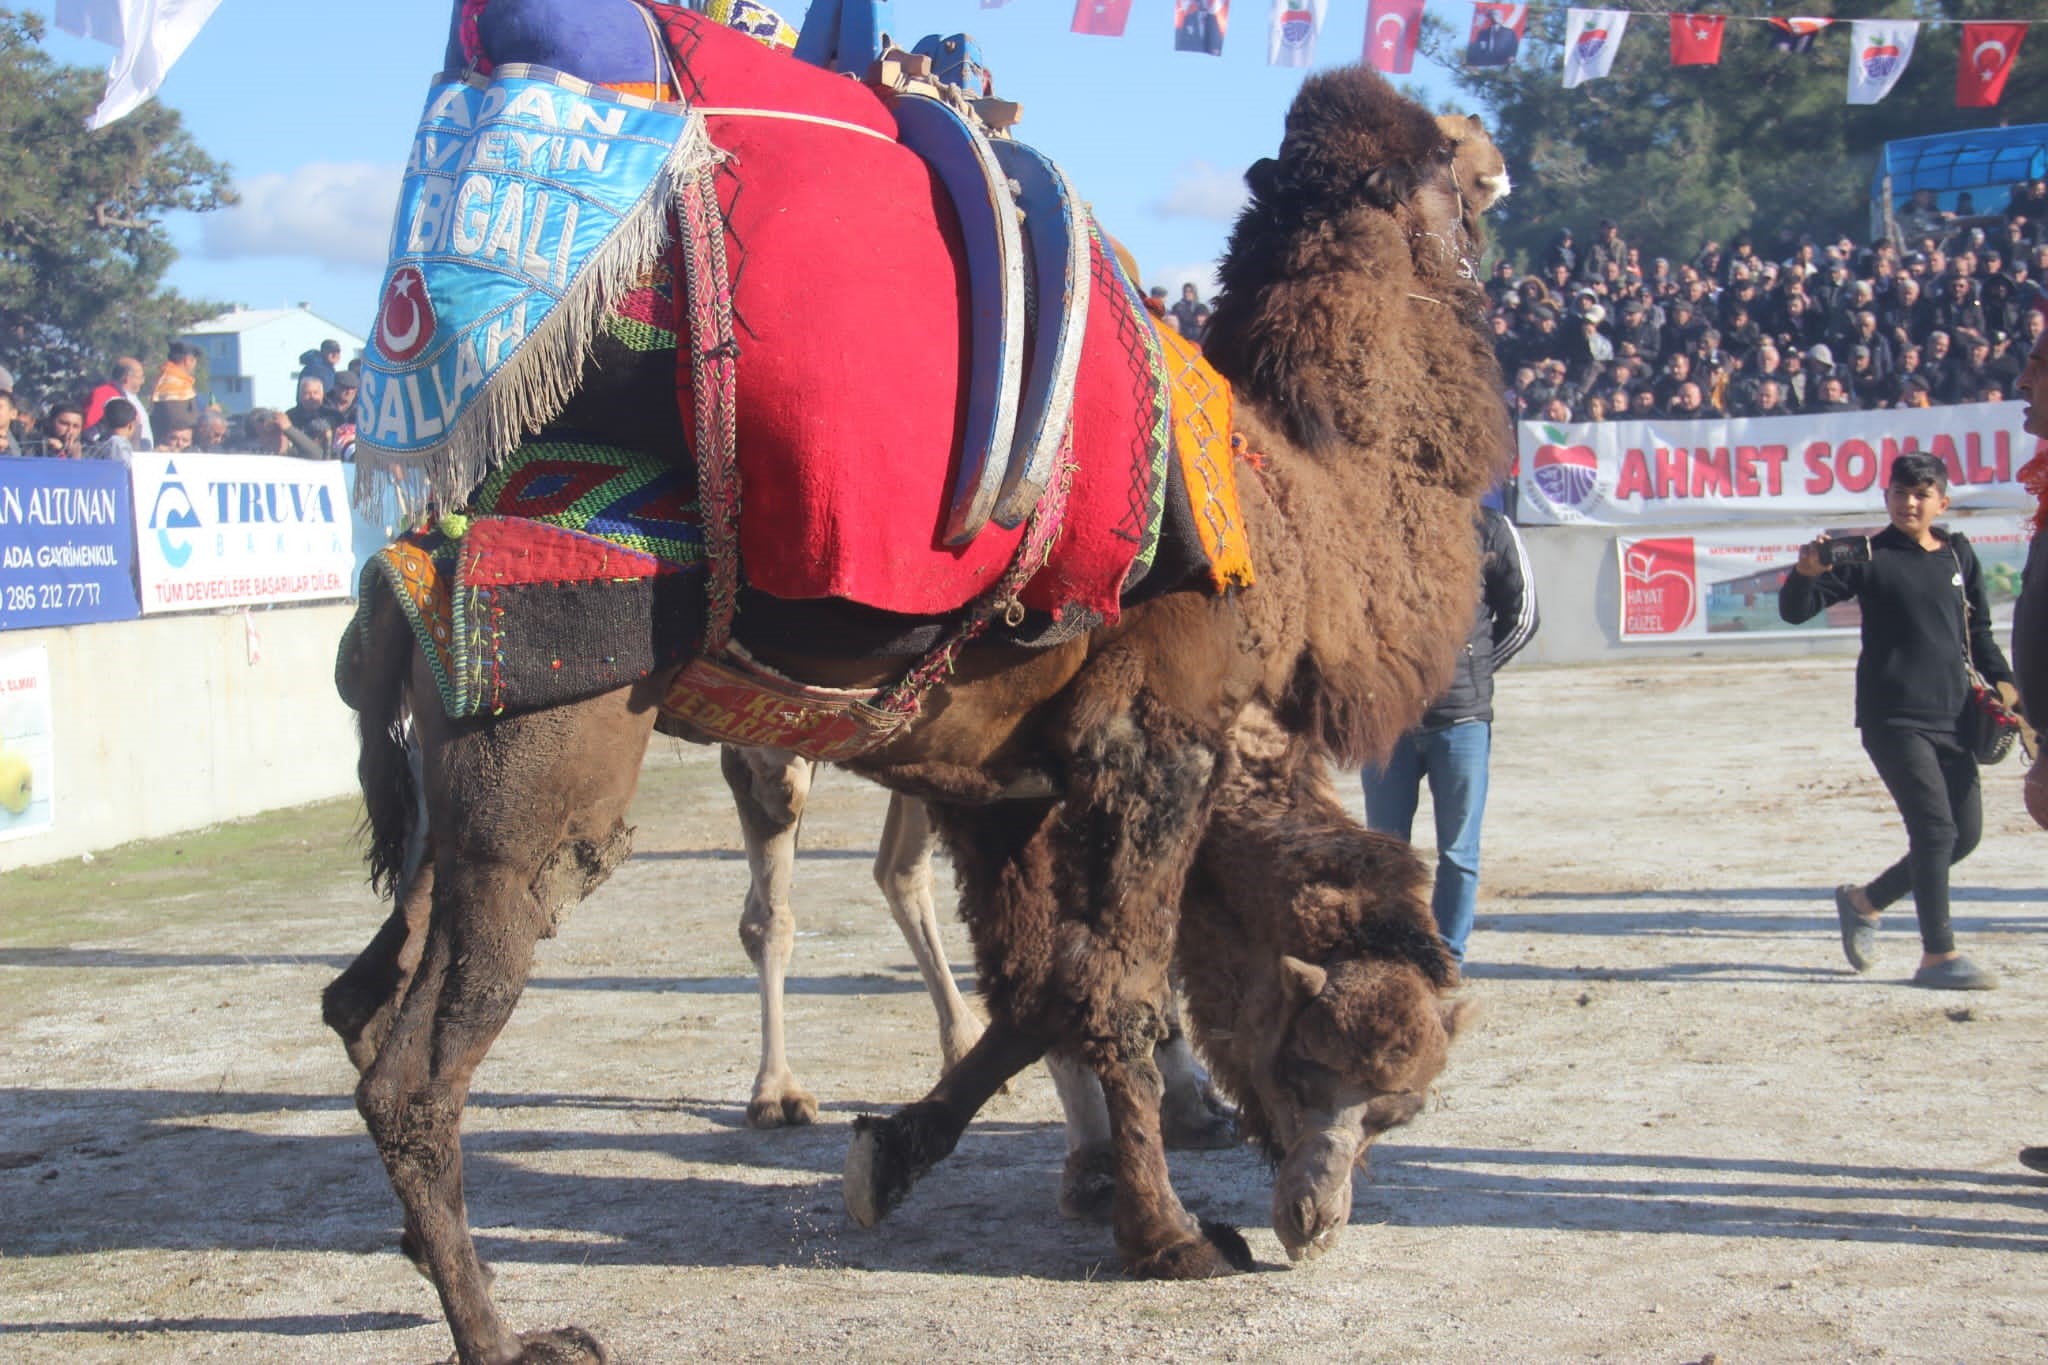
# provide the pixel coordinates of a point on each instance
(850, 303)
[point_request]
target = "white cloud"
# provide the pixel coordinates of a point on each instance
(1199, 190)
(336, 211)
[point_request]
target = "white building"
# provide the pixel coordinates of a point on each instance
(252, 354)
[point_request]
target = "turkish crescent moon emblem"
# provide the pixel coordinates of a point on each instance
(1399, 24)
(1986, 70)
(405, 302)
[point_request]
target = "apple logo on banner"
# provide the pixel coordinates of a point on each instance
(1590, 43)
(1564, 474)
(1879, 60)
(1660, 593)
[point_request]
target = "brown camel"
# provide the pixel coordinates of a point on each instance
(771, 788)
(1369, 400)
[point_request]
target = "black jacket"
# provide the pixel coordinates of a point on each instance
(1506, 620)
(1910, 673)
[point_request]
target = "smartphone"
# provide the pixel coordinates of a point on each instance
(1845, 550)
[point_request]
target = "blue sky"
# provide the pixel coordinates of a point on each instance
(313, 107)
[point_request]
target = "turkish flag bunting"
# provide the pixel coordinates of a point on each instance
(1391, 30)
(1796, 35)
(1105, 18)
(1696, 39)
(1989, 50)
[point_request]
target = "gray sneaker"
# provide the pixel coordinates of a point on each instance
(1956, 974)
(1859, 935)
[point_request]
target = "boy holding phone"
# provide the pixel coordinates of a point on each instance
(1910, 695)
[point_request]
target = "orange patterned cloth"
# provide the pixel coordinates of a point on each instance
(1202, 420)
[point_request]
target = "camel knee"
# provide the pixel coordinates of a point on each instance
(576, 868)
(767, 931)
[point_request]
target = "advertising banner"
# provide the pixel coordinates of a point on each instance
(229, 530)
(1721, 583)
(67, 543)
(1735, 469)
(28, 784)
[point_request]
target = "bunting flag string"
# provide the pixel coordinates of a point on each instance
(1880, 49)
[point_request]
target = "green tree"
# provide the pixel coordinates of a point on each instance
(82, 246)
(1763, 142)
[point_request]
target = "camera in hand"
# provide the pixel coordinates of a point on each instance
(1847, 550)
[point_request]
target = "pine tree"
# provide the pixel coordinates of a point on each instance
(82, 246)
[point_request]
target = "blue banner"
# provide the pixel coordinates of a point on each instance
(67, 543)
(512, 193)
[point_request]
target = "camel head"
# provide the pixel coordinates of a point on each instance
(1477, 166)
(1355, 1048)
(1363, 199)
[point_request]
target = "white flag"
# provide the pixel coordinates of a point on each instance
(1878, 52)
(1296, 25)
(1591, 38)
(96, 19)
(154, 33)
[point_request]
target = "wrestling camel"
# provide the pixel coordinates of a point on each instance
(1076, 778)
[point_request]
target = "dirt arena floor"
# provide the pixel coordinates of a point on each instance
(1685, 1131)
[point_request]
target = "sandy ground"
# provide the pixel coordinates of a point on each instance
(1685, 1130)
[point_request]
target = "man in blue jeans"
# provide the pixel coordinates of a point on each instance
(1452, 745)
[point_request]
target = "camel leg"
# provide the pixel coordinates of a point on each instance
(361, 1003)
(1192, 1117)
(770, 786)
(1088, 1183)
(1072, 907)
(888, 1155)
(903, 869)
(529, 815)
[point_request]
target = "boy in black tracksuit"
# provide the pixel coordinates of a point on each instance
(1911, 691)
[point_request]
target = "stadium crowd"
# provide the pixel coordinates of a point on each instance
(1601, 331)
(113, 420)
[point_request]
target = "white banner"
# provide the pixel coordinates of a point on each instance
(1732, 469)
(227, 530)
(1591, 38)
(1721, 583)
(1878, 52)
(1291, 40)
(28, 765)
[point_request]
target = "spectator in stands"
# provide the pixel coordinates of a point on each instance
(1500, 290)
(1866, 386)
(312, 402)
(211, 435)
(1677, 371)
(1642, 404)
(1689, 404)
(174, 439)
(266, 431)
(1183, 309)
(64, 431)
(1560, 254)
(340, 403)
(1956, 309)
(1799, 384)
(1914, 393)
(1607, 248)
(1833, 396)
(123, 382)
(1768, 402)
(321, 364)
(118, 424)
(174, 399)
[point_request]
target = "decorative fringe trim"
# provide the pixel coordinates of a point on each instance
(531, 389)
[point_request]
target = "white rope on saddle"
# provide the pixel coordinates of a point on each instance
(793, 116)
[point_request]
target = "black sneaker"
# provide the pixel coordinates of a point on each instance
(1859, 935)
(1956, 974)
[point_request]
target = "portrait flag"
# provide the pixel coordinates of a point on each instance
(1696, 39)
(1296, 26)
(1989, 50)
(1199, 25)
(1878, 52)
(1591, 38)
(151, 34)
(1391, 30)
(1104, 18)
(1496, 33)
(1796, 35)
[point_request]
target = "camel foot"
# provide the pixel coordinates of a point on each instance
(1088, 1185)
(888, 1156)
(793, 1109)
(1220, 1250)
(1194, 1119)
(564, 1346)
